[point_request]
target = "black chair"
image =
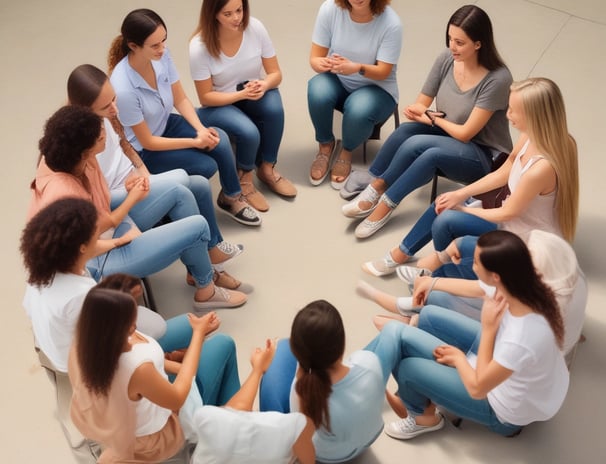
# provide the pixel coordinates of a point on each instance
(492, 198)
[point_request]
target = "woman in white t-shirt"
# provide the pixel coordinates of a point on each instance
(123, 399)
(515, 375)
(236, 73)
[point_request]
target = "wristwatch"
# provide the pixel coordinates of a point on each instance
(362, 70)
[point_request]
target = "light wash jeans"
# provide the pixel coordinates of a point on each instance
(256, 127)
(413, 153)
(157, 248)
(217, 375)
(193, 160)
(362, 109)
(443, 228)
(174, 194)
(407, 353)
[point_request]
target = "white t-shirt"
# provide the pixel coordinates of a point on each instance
(228, 71)
(355, 406)
(113, 162)
(53, 311)
(537, 387)
(228, 436)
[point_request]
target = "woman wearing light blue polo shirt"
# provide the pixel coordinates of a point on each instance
(147, 87)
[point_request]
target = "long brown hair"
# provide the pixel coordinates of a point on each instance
(317, 340)
(102, 331)
(505, 254)
(84, 85)
(136, 28)
(208, 26)
(474, 21)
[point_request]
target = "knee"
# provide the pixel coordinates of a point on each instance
(225, 344)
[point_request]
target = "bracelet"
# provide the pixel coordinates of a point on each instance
(431, 118)
(433, 284)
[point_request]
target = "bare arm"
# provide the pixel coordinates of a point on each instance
(253, 90)
(260, 360)
(469, 129)
(540, 179)
(205, 138)
(458, 287)
(304, 449)
(147, 382)
(488, 373)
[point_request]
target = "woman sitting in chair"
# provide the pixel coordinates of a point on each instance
(470, 85)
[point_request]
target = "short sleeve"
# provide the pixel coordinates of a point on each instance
(494, 94)
(322, 34)
(436, 75)
(198, 60)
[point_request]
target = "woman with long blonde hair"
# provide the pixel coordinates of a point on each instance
(541, 174)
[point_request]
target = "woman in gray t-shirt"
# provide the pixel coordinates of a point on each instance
(470, 85)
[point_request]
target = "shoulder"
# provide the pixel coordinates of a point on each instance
(391, 18)
(365, 359)
(501, 75)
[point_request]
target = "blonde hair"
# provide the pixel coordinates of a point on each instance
(547, 128)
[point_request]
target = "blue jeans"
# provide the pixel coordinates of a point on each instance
(194, 160)
(413, 153)
(407, 352)
(157, 248)
(256, 127)
(177, 195)
(274, 393)
(362, 109)
(470, 307)
(443, 228)
(217, 374)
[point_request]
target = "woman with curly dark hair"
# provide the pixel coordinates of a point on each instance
(56, 244)
(68, 167)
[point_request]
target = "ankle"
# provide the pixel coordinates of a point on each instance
(398, 255)
(205, 293)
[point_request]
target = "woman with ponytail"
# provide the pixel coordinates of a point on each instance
(344, 399)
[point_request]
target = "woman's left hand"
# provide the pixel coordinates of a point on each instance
(448, 355)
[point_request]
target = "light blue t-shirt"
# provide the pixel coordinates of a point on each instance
(138, 102)
(355, 405)
(367, 43)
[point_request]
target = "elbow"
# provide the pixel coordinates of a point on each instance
(477, 394)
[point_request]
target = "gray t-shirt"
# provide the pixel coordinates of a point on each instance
(492, 94)
(366, 43)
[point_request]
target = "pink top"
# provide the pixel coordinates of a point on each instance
(49, 186)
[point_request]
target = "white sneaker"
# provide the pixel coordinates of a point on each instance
(408, 274)
(381, 267)
(352, 210)
(407, 428)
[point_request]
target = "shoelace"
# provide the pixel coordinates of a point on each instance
(406, 425)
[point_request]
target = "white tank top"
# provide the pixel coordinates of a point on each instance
(540, 213)
(151, 418)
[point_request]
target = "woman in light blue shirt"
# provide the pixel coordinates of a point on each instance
(147, 88)
(355, 50)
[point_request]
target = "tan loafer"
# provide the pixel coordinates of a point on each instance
(278, 184)
(252, 196)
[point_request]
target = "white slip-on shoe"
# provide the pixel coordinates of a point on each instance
(353, 210)
(381, 267)
(367, 228)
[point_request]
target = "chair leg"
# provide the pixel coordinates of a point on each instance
(434, 188)
(148, 297)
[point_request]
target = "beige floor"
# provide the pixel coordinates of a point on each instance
(305, 249)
